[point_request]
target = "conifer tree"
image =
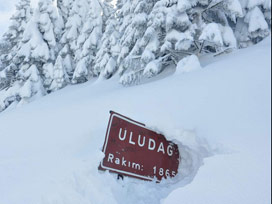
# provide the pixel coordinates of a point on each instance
(40, 42)
(60, 77)
(38, 50)
(12, 39)
(4, 80)
(256, 23)
(88, 42)
(66, 53)
(75, 21)
(105, 60)
(133, 28)
(108, 9)
(178, 28)
(64, 8)
(31, 84)
(76, 13)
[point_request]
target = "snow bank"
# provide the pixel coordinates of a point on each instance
(220, 117)
(243, 174)
(188, 64)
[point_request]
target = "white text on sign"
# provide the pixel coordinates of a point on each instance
(143, 143)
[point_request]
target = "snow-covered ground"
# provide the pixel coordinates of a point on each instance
(219, 115)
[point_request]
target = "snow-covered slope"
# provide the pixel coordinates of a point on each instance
(219, 115)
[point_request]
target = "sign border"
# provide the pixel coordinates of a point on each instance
(114, 114)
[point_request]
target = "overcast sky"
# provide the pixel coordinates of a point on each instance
(7, 7)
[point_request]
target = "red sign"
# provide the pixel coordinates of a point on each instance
(133, 150)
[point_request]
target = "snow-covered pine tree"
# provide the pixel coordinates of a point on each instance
(64, 62)
(170, 36)
(38, 50)
(4, 49)
(178, 28)
(11, 42)
(66, 55)
(31, 84)
(133, 27)
(119, 4)
(76, 16)
(105, 60)
(88, 42)
(218, 30)
(75, 22)
(60, 76)
(64, 8)
(26, 88)
(108, 9)
(256, 24)
(165, 27)
(40, 42)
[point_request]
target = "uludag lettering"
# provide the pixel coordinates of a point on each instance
(141, 142)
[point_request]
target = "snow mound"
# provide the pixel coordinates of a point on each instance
(188, 64)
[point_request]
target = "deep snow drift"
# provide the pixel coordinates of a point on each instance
(220, 116)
